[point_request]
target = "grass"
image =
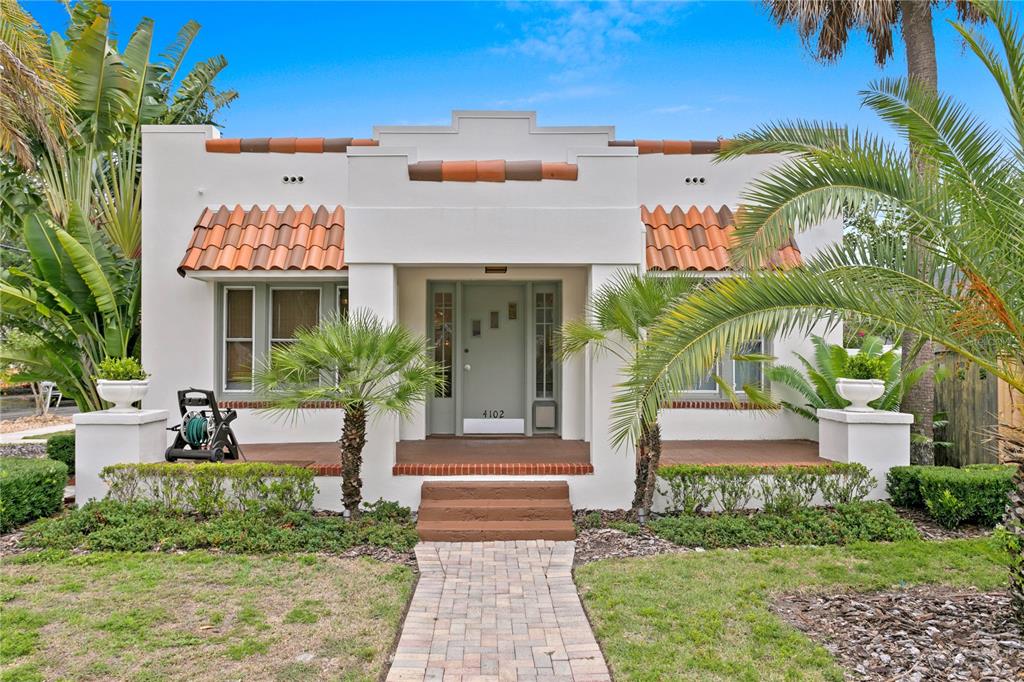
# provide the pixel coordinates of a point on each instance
(705, 616)
(48, 436)
(197, 615)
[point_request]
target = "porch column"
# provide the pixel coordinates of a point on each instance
(106, 437)
(611, 485)
(879, 440)
(373, 287)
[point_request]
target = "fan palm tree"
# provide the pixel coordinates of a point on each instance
(824, 26)
(617, 316)
(965, 290)
(359, 363)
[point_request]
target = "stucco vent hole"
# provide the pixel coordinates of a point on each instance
(695, 180)
(292, 179)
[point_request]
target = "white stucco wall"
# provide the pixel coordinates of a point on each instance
(400, 234)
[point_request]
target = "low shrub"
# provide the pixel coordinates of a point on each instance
(854, 522)
(953, 496)
(110, 525)
(904, 486)
(61, 447)
(691, 488)
(30, 489)
(212, 489)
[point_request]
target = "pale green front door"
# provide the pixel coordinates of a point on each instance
(492, 358)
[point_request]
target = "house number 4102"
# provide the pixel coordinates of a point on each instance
(494, 414)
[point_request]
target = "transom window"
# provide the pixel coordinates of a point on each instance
(257, 317)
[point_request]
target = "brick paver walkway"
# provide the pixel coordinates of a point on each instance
(497, 611)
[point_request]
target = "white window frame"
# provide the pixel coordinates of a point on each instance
(727, 372)
(225, 340)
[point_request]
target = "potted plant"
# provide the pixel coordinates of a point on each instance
(863, 380)
(121, 381)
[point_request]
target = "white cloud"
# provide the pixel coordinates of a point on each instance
(567, 93)
(580, 37)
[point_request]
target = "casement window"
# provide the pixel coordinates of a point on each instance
(253, 318)
(735, 373)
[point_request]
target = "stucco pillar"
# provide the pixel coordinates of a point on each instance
(879, 440)
(104, 438)
(374, 287)
(611, 484)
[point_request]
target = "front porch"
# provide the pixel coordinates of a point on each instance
(531, 456)
(446, 456)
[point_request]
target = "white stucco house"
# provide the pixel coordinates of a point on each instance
(484, 236)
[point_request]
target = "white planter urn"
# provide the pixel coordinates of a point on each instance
(860, 392)
(122, 393)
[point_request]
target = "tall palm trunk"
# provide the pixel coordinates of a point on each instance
(919, 400)
(1014, 527)
(653, 439)
(643, 460)
(353, 438)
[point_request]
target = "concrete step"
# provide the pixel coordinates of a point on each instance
(494, 490)
(495, 510)
(480, 531)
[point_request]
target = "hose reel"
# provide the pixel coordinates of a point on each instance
(196, 429)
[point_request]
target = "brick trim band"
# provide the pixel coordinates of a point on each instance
(494, 468)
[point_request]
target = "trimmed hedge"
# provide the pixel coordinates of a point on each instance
(951, 496)
(783, 490)
(61, 447)
(29, 489)
(213, 488)
(846, 523)
(109, 525)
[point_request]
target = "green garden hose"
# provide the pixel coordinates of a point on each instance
(194, 430)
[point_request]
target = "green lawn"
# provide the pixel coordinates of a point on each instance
(197, 615)
(705, 616)
(48, 436)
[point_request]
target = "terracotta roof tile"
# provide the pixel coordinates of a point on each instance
(672, 146)
(256, 239)
(495, 170)
(286, 145)
(698, 239)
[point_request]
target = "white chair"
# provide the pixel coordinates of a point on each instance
(50, 391)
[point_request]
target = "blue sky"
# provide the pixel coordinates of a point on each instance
(654, 70)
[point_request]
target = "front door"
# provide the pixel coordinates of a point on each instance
(493, 358)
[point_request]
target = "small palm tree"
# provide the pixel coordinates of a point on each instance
(360, 363)
(619, 313)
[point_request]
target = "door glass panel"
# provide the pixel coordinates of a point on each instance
(443, 340)
(544, 329)
(343, 301)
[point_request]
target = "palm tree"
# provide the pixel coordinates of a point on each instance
(618, 315)
(964, 290)
(35, 97)
(827, 24)
(359, 363)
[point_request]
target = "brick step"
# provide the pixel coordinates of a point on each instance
(480, 531)
(495, 510)
(494, 490)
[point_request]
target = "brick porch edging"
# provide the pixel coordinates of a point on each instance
(494, 468)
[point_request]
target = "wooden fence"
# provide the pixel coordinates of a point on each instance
(974, 404)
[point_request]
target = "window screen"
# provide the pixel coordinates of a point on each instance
(238, 339)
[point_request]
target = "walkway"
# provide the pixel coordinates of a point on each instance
(497, 611)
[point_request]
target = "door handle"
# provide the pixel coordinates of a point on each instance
(467, 367)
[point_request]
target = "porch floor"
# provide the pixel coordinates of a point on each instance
(753, 452)
(445, 456)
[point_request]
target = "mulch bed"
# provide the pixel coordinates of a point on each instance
(26, 450)
(26, 423)
(930, 530)
(594, 544)
(918, 634)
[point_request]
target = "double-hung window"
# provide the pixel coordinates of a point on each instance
(734, 371)
(255, 317)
